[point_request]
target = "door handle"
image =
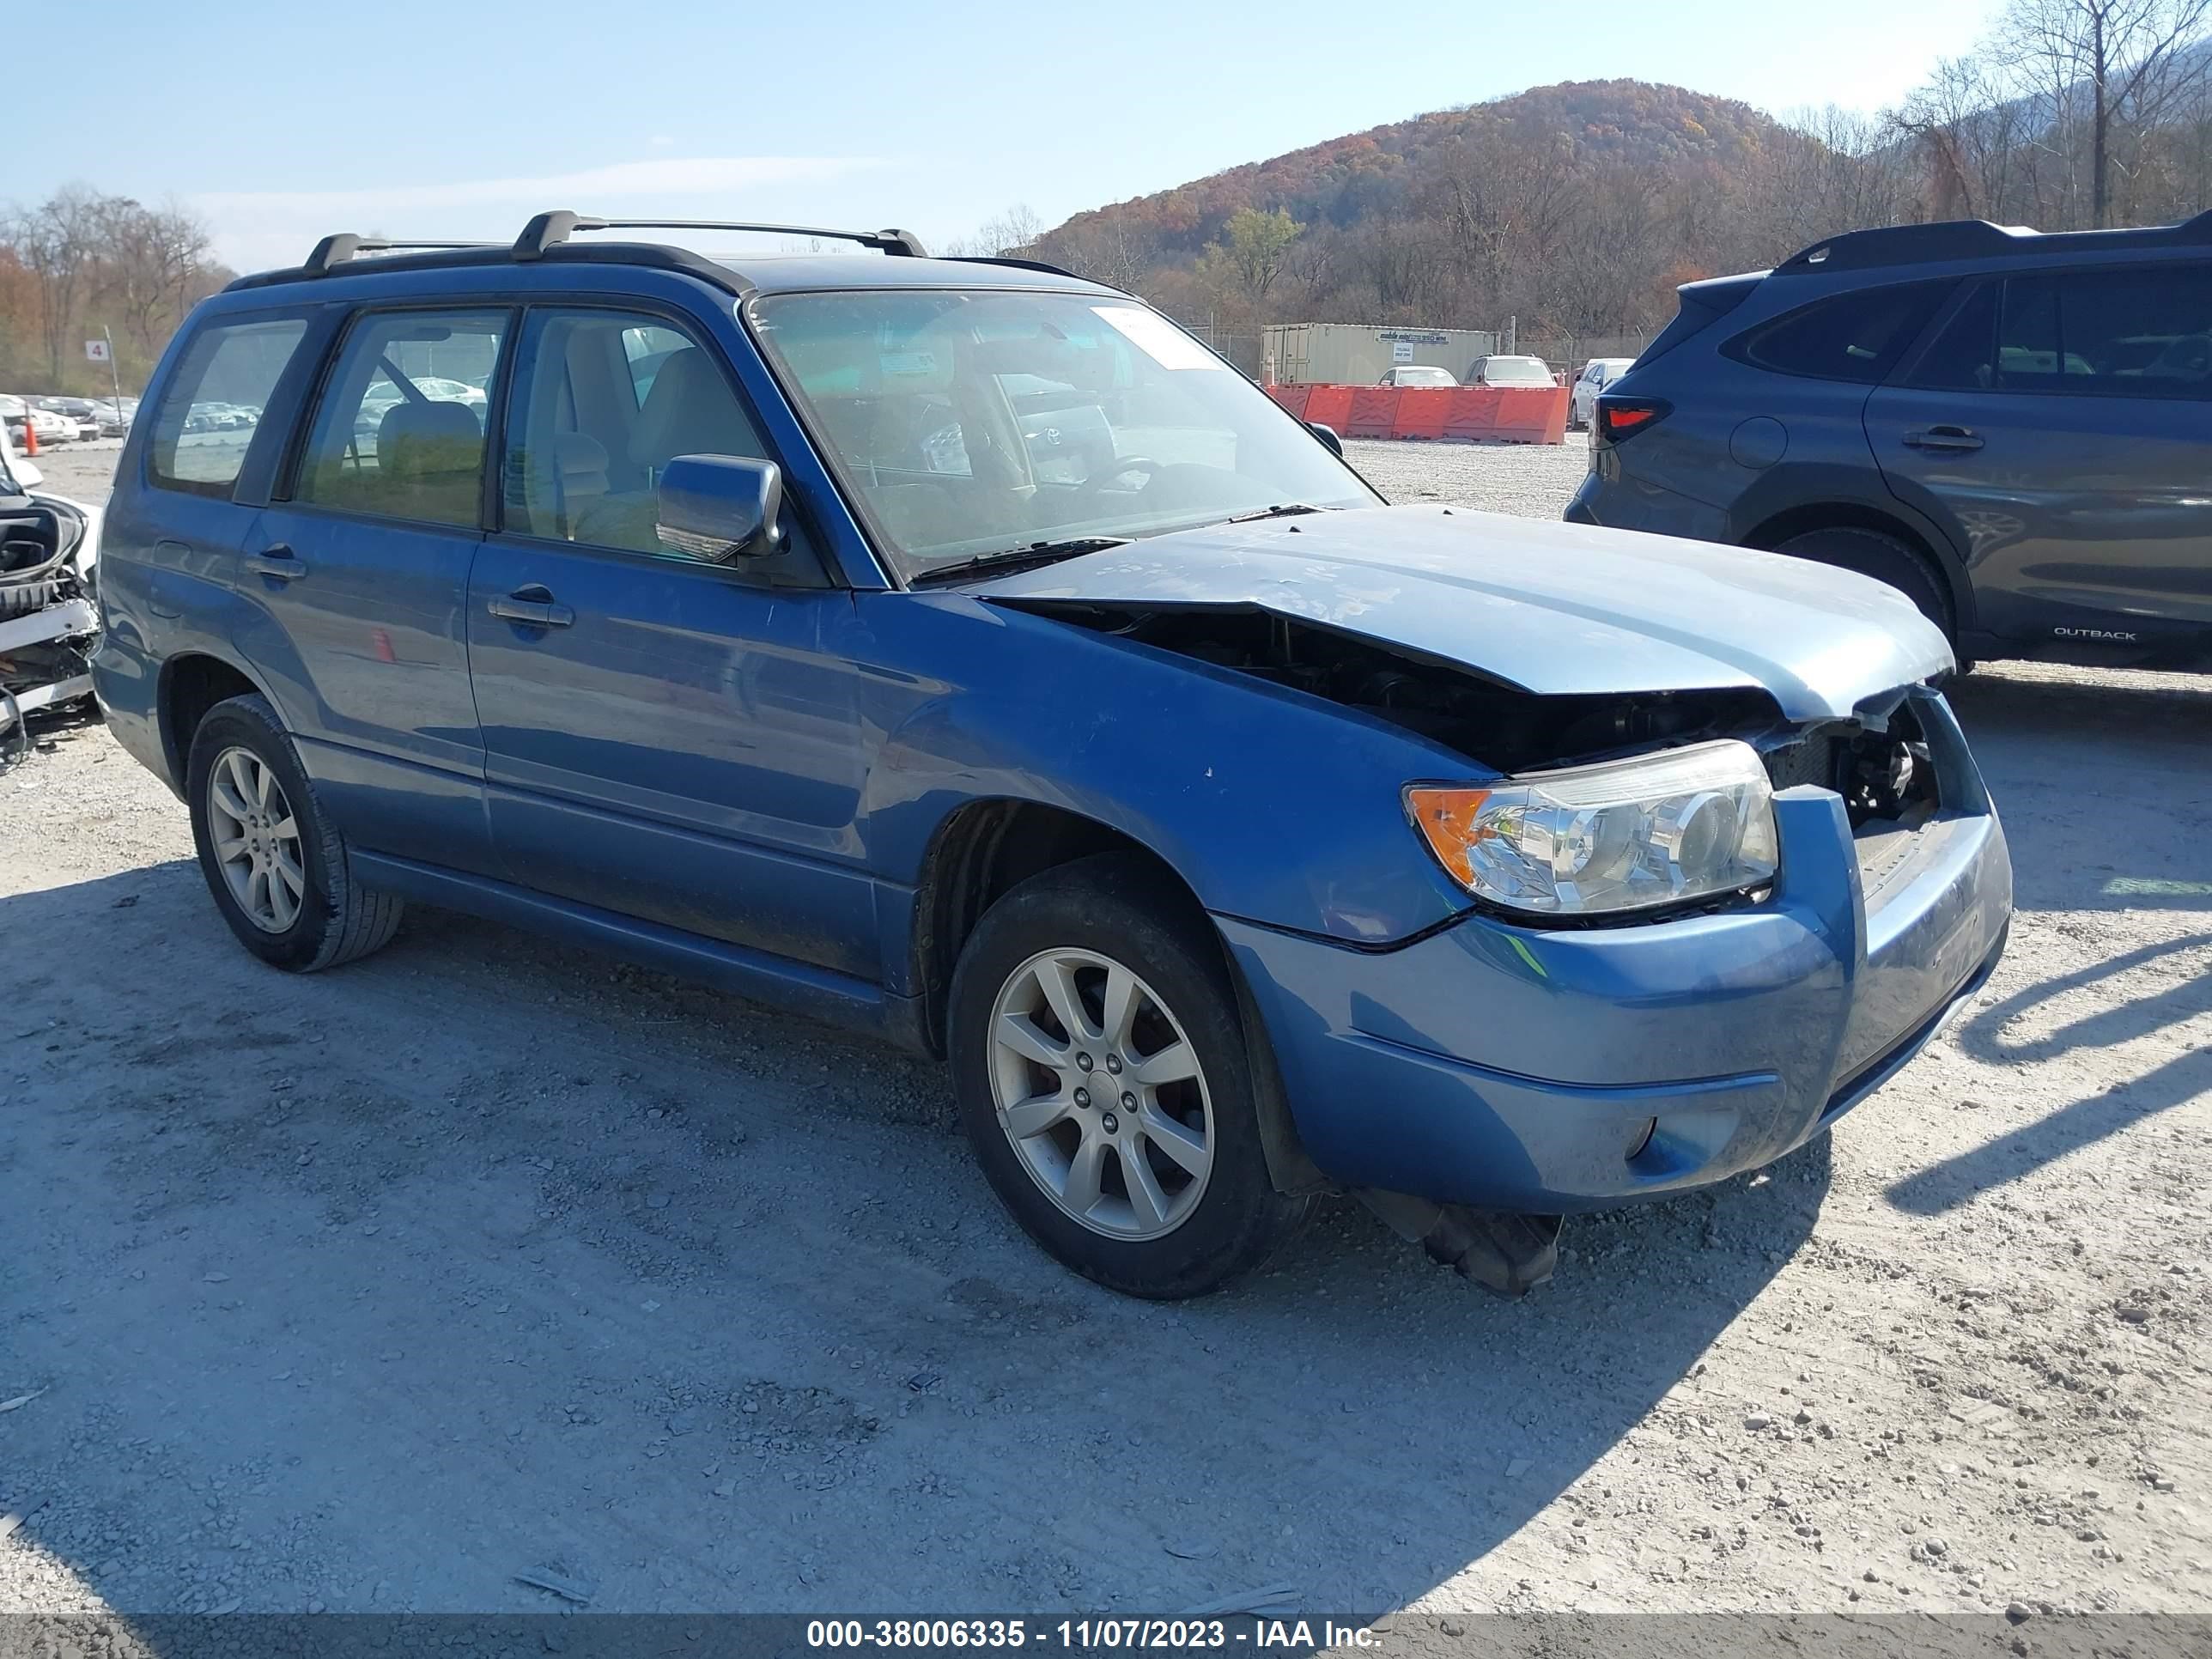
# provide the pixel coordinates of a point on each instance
(276, 561)
(1942, 437)
(534, 607)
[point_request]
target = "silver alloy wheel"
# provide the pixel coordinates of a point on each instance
(256, 840)
(1101, 1094)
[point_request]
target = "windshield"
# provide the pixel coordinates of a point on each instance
(969, 423)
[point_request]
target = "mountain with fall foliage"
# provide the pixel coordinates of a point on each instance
(1388, 170)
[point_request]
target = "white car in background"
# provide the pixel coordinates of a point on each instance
(1597, 374)
(15, 413)
(1420, 374)
(1510, 371)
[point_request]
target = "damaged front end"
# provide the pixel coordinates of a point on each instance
(1877, 758)
(48, 619)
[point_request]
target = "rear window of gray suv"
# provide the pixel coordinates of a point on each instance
(1849, 337)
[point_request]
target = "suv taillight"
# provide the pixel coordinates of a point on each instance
(1620, 419)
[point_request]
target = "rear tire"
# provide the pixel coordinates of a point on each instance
(1164, 1199)
(274, 862)
(1887, 559)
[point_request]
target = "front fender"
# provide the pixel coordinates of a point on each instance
(1274, 807)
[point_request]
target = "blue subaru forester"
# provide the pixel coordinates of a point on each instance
(957, 650)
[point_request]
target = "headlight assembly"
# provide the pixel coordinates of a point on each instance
(1631, 835)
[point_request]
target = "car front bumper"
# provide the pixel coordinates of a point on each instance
(1555, 1070)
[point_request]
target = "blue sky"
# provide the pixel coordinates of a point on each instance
(281, 119)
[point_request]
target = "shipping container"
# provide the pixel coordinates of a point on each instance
(1361, 354)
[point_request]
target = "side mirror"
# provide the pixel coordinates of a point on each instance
(1327, 435)
(26, 473)
(720, 507)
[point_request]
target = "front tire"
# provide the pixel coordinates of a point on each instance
(275, 864)
(1105, 1081)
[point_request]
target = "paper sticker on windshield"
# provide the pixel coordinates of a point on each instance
(1158, 338)
(909, 362)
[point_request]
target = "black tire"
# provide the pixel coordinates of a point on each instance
(1117, 906)
(338, 918)
(1886, 558)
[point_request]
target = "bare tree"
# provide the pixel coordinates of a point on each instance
(1970, 126)
(151, 262)
(1012, 234)
(57, 242)
(2127, 62)
(1110, 253)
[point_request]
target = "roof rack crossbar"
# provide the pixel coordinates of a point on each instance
(547, 230)
(337, 250)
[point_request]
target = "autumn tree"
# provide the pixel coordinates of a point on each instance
(1250, 254)
(81, 262)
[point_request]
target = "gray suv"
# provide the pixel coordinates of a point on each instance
(2011, 427)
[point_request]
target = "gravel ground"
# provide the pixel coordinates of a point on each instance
(371, 1290)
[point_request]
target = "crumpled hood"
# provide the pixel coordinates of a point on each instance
(1552, 608)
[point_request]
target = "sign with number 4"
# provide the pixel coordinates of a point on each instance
(96, 351)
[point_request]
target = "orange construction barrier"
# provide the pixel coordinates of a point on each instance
(30, 433)
(1473, 417)
(1532, 415)
(1465, 415)
(1374, 411)
(1423, 412)
(1330, 406)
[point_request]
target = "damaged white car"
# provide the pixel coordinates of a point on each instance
(49, 575)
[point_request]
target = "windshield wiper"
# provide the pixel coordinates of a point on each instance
(1282, 510)
(1029, 553)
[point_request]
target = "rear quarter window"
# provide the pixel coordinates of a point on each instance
(1856, 337)
(211, 411)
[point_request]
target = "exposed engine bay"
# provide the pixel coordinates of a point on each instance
(1878, 764)
(48, 622)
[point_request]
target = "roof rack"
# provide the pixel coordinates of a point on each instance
(339, 249)
(1973, 238)
(1014, 264)
(547, 230)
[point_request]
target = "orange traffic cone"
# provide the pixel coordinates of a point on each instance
(30, 435)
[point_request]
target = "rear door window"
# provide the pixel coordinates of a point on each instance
(2145, 333)
(1848, 337)
(398, 431)
(1962, 357)
(211, 411)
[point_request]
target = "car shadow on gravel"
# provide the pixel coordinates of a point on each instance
(375, 1288)
(2132, 764)
(2185, 995)
(2095, 781)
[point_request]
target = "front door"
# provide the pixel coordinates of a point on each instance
(356, 584)
(2057, 425)
(667, 739)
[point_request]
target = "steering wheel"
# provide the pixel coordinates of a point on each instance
(1118, 469)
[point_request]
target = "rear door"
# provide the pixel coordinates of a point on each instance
(189, 497)
(668, 739)
(355, 580)
(2058, 424)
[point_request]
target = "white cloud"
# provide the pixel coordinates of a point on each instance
(255, 228)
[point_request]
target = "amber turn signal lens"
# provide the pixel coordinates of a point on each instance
(1445, 819)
